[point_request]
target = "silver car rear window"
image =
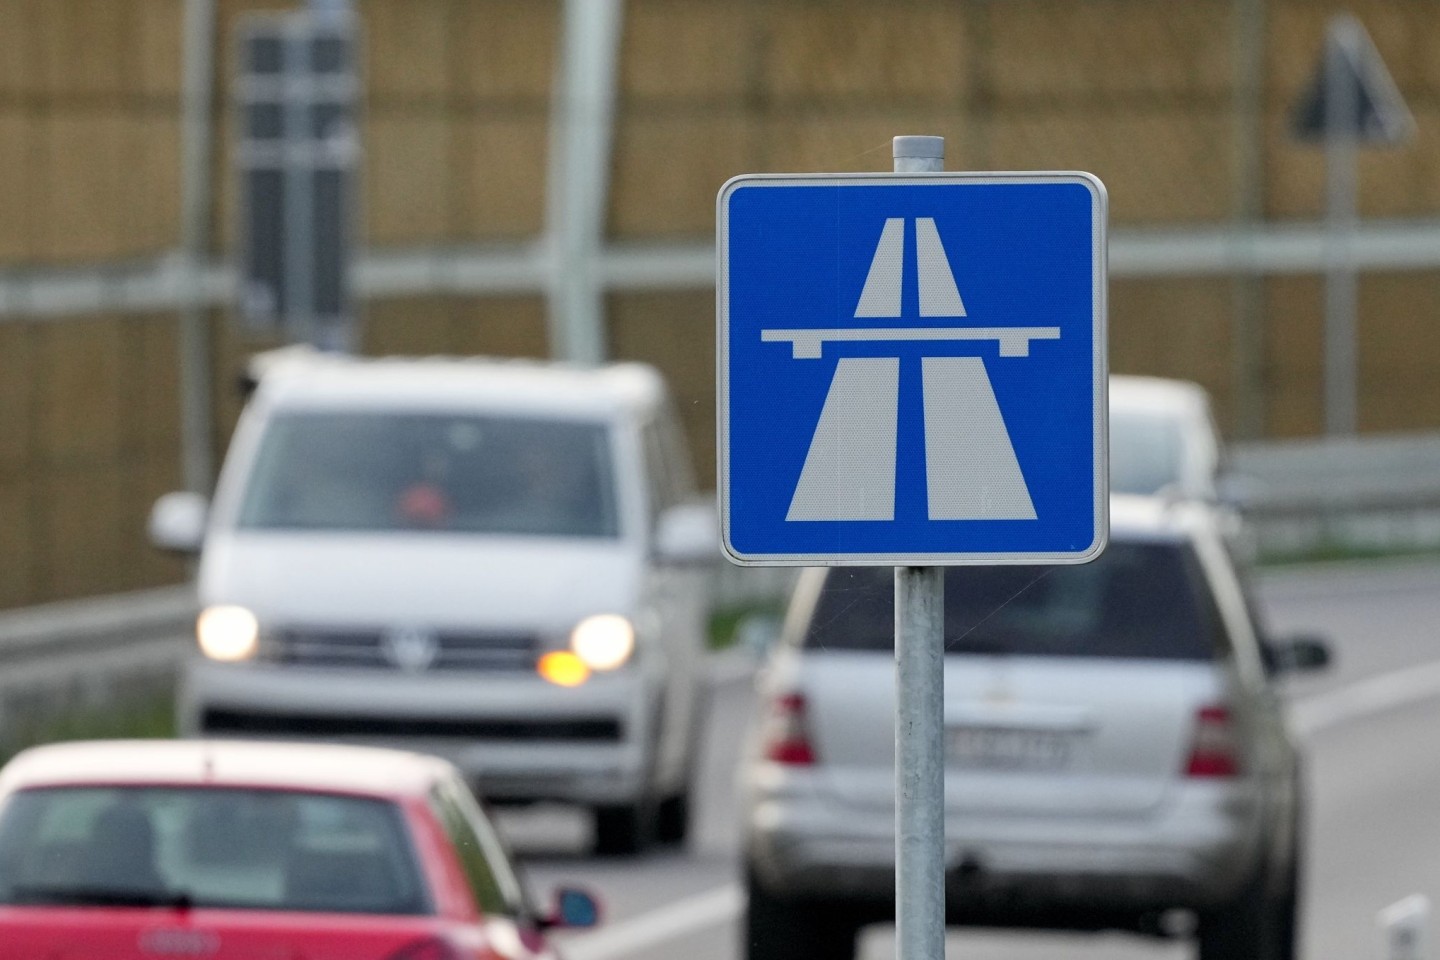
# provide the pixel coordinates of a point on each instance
(1138, 600)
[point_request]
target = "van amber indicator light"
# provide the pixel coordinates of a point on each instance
(563, 668)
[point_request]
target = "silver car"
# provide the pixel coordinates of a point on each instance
(1117, 752)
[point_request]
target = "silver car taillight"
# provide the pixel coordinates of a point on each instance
(1214, 749)
(787, 734)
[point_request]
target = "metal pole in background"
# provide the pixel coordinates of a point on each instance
(578, 180)
(1342, 106)
(196, 372)
(919, 711)
(1247, 324)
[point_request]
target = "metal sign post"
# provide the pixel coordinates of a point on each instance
(919, 711)
(912, 374)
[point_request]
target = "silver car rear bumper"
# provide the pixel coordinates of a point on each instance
(1193, 850)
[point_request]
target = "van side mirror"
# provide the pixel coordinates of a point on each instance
(688, 535)
(177, 522)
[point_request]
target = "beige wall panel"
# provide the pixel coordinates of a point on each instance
(408, 187)
(19, 75)
(151, 381)
(1294, 407)
(1062, 50)
(1400, 403)
(77, 215)
(150, 196)
(413, 327)
(853, 141)
(1293, 356)
(17, 398)
(1398, 330)
(142, 482)
(505, 49)
(17, 205)
(80, 366)
(82, 520)
(158, 48)
(1426, 149)
(668, 169)
(1174, 327)
(499, 165)
(1159, 167)
(1294, 322)
(850, 49)
(406, 48)
(224, 184)
(675, 332)
(17, 543)
(693, 50)
(83, 47)
(500, 327)
(1294, 172)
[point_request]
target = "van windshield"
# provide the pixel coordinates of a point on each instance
(370, 471)
(1137, 600)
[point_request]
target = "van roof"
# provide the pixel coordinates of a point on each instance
(1157, 394)
(308, 379)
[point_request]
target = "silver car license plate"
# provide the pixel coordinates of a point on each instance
(1006, 748)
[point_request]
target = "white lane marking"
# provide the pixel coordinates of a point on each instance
(668, 922)
(1372, 695)
(1387, 691)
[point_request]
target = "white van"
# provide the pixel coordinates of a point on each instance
(500, 562)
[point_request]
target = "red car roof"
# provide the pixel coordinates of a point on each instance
(296, 766)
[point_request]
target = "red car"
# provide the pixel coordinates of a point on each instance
(195, 849)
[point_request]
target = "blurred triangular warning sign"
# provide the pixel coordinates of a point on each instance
(1352, 94)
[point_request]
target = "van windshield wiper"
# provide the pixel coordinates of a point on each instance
(99, 897)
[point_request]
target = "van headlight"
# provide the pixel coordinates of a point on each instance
(605, 641)
(228, 633)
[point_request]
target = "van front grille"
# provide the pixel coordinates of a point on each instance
(388, 650)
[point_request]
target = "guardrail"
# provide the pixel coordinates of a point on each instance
(89, 654)
(1371, 493)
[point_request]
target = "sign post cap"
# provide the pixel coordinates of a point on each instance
(917, 148)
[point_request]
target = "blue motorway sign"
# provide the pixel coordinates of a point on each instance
(912, 369)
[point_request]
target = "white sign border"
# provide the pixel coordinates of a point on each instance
(1100, 216)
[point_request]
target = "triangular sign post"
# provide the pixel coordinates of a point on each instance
(1351, 101)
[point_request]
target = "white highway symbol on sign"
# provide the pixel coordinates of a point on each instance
(970, 465)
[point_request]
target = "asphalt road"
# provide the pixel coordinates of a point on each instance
(1373, 728)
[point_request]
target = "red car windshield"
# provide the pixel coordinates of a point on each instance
(207, 847)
